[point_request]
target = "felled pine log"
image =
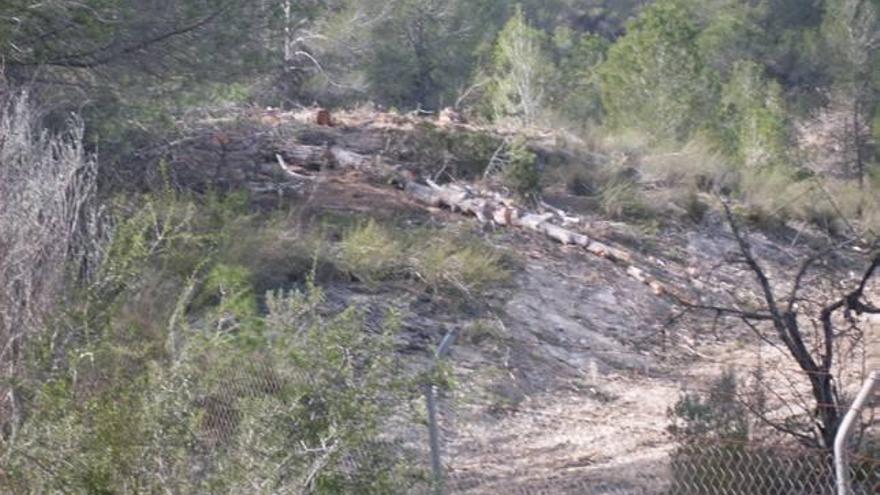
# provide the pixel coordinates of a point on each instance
(489, 207)
(321, 157)
(486, 206)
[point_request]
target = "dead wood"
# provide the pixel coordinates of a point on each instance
(487, 206)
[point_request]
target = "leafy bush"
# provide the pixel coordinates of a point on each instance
(223, 418)
(456, 263)
(521, 172)
(372, 253)
(163, 375)
(654, 78)
(465, 153)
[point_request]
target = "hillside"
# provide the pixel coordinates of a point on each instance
(565, 369)
(384, 247)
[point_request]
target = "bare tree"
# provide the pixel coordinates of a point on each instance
(46, 185)
(809, 331)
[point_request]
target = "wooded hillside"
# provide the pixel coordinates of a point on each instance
(364, 246)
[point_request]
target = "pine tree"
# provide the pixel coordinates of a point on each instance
(654, 79)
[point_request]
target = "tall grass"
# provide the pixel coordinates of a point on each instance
(47, 187)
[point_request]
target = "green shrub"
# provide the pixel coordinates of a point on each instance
(471, 152)
(456, 263)
(154, 389)
(521, 172)
(718, 414)
(465, 153)
(372, 252)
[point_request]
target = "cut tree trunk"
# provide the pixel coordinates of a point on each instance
(486, 206)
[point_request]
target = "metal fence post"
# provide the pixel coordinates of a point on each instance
(433, 427)
(841, 459)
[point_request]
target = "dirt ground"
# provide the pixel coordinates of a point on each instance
(564, 377)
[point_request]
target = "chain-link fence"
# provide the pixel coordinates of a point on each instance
(707, 469)
(215, 422)
(239, 439)
(710, 463)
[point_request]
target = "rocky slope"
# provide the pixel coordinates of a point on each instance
(564, 375)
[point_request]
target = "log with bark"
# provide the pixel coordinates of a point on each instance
(485, 205)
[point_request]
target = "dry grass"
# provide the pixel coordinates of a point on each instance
(681, 180)
(48, 230)
(630, 141)
(838, 206)
(695, 166)
(621, 199)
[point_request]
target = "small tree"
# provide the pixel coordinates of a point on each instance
(654, 79)
(852, 30)
(811, 332)
(714, 452)
(718, 414)
(521, 70)
(752, 121)
(577, 92)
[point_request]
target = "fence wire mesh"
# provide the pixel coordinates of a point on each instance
(243, 430)
(239, 429)
(696, 470)
(708, 465)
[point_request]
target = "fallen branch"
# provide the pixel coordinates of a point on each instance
(288, 171)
